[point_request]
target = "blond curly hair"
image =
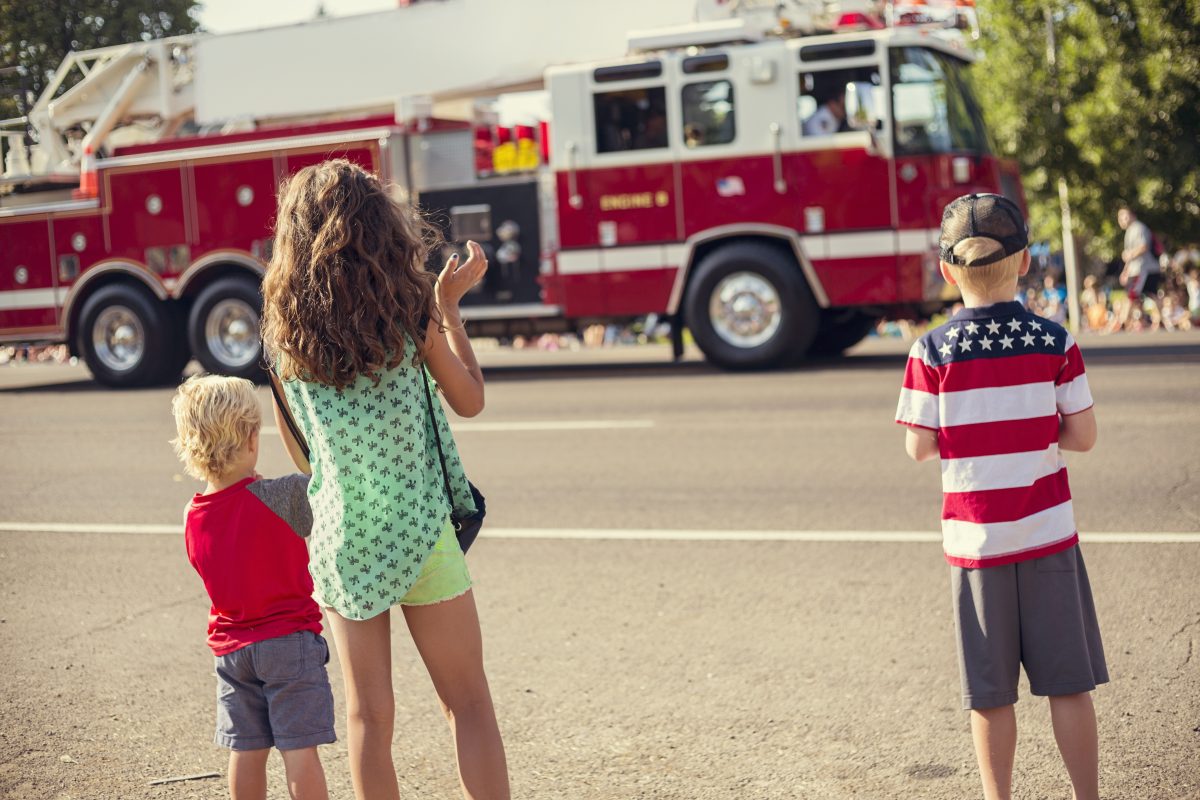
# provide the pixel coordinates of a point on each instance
(214, 418)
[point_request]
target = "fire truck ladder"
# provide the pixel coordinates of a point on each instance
(142, 82)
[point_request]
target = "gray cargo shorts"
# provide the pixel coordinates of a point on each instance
(275, 693)
(1038, 613)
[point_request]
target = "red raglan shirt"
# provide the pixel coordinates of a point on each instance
(246, 543)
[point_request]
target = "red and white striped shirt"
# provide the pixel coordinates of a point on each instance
(993, 382)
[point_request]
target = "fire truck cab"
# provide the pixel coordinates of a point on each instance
(777, 195)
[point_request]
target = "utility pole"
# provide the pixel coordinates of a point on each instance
(1070, 261)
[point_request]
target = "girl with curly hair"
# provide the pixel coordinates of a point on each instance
(355, 327)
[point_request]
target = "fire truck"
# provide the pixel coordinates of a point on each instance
(771, 182)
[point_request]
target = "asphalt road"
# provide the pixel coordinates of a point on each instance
(639, 668)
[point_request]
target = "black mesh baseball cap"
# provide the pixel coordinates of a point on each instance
(988, 215)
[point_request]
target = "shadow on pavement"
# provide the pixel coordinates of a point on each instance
(1123, 355)
(1144, 354)
(85, 385)
(608, 369)
(74, 386)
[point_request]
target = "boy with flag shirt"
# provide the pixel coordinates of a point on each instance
(997, 392)
(243, 535)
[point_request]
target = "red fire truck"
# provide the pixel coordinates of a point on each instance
(773, 189)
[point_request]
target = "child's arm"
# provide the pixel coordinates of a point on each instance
(447, 348)
(921, 444)
(1077, 420)
(919, 411)
(1078, 431)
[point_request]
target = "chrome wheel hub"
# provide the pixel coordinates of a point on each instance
(118, 338)
(231, 333)
(745, 309)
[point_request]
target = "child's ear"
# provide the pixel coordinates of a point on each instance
(1025, 261)
(947, 274)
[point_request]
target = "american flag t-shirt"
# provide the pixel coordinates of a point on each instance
(993, 382)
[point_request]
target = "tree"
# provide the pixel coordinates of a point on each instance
(1113, 107)
(37, 34)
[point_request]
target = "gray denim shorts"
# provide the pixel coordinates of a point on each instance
(275, 693)
(1038, 613)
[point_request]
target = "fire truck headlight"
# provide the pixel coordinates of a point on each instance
(508, 231)
(509, 253)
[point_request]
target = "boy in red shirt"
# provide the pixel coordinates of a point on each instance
(243, 536)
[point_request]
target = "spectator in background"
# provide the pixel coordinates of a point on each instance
(1192, 283)
(1093, 304)
(1140, 277)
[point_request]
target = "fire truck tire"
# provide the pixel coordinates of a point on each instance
(125, 337)
(223, 328)
(748, 307)
(840, 330)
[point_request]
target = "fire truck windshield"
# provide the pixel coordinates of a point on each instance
(932, 105)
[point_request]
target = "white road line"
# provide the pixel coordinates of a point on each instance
(536, 425)
(73, 527)
(647, 534)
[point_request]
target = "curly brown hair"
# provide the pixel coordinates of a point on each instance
(347, 278)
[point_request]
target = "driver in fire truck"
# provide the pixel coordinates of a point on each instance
(830, 116)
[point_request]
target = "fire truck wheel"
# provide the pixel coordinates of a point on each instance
(841, 329)
(223, 328)
(748, 307)
(124, 335)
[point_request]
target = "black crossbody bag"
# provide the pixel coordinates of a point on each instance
(466, 527)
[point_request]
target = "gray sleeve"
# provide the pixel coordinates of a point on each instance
(287, 497)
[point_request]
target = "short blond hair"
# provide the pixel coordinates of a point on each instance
(987, 277)
(214, 418)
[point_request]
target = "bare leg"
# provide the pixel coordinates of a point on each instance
(447, 637)
(1074, 721)
(305, 776)
(248, 774)
(364, 650)
(995, 733)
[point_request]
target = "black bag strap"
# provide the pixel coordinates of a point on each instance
(286, 412)
(437, 438)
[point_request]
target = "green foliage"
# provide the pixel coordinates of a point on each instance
(37, 34)
(1117, 115)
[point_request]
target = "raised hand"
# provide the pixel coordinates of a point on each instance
(454, 281)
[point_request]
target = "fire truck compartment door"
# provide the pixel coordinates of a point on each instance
(28, 297)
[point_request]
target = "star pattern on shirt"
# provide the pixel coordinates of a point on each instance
(385, 501)
(1006, 332)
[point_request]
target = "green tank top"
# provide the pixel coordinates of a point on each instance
(377, 493)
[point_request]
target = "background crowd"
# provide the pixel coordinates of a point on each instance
(1105, 306)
